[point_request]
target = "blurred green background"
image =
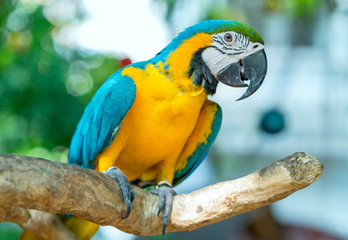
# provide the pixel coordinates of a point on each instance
(46, 80)
(44, 86)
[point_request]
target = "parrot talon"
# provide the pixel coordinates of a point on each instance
(132, 194)
(165, 193)
(125, 187)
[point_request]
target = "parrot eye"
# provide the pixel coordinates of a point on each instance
(228, 37)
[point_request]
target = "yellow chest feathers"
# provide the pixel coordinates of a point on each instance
(158, 124)
(163, 111)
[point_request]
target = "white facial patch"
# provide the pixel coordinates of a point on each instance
(226, 50)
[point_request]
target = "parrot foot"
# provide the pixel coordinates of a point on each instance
(125, 186)
(165, 192)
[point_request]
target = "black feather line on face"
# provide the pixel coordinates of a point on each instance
(200, 73)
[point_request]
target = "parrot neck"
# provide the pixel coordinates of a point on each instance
(177, 63)
(182, 81)
(179, 60)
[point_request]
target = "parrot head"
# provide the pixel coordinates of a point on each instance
(215, 51)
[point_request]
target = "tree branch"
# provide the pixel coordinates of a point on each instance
(59, 188)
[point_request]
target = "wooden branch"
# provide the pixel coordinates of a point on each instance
(33, 183)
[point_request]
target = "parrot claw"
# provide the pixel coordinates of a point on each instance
(165, 192)
(126, 188)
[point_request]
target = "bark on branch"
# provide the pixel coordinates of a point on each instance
(59, 188)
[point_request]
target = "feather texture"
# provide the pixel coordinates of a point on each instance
(101, 119)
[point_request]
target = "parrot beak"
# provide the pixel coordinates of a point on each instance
(251, 68)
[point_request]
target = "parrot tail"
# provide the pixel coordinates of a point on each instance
(81, 228)
(26, 235)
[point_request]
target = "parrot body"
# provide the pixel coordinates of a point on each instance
(158, 126)
(152, 122)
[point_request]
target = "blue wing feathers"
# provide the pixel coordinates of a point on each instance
(102, 115)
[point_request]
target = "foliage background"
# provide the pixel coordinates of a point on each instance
(44, 85)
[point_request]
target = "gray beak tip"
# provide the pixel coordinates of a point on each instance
(251, 89)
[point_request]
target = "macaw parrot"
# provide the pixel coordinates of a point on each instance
(151, 123)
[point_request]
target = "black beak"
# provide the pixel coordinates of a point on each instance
(251, 68)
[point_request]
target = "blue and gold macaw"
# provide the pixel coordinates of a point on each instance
(151, 122)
